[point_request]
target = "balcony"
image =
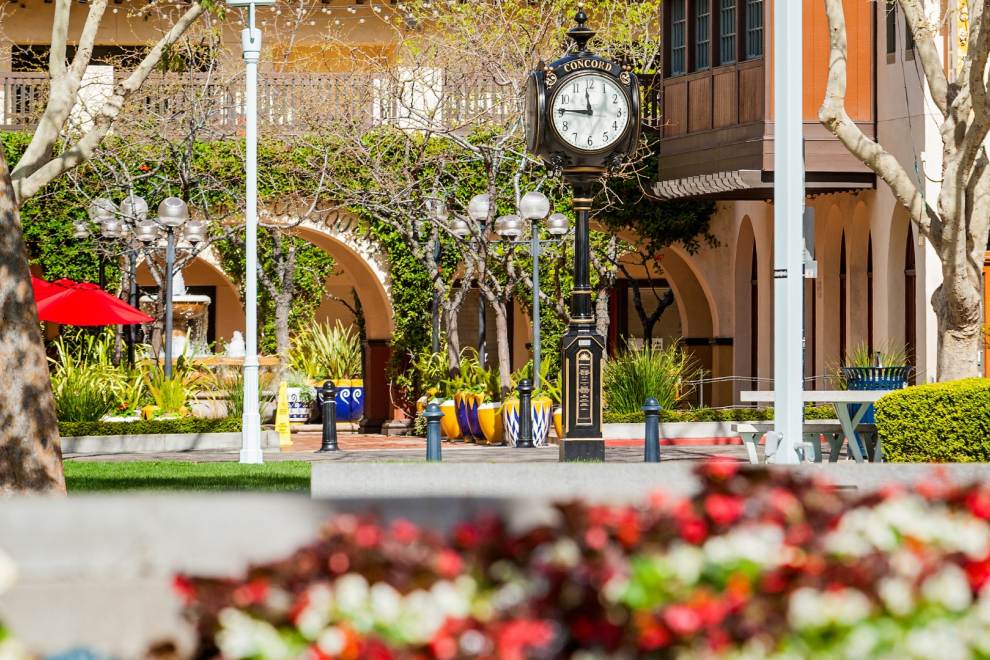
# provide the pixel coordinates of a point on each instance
(295, 102)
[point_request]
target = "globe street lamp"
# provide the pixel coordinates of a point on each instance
(533, 207)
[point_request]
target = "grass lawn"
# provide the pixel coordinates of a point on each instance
(103, 476)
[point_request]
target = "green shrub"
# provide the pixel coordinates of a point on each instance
(184, 425)
(938, 423)
(638, 373)
(714, 415)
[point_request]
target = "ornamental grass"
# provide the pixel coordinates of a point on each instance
(759, 564)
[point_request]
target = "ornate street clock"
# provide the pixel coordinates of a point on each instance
(582, 119)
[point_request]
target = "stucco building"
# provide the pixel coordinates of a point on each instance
(711, 109)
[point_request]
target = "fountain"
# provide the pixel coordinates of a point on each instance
(190, 319)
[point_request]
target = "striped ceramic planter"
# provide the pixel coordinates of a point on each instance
(542, 412)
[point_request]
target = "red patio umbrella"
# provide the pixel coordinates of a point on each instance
(83, 303)
(43, 289)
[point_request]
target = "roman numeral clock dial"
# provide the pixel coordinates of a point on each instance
(590, 112)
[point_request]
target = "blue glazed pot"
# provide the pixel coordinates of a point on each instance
(875, 378)
(343, 400)
(357, 400)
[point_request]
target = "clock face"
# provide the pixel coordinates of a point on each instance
(590, 111)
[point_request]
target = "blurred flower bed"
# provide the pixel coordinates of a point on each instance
(10, 648)
(758, 564)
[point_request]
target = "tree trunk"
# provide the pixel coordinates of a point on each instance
(30, 451)
(452, 331)
(960, 335)
(283, 307)
(502, 346)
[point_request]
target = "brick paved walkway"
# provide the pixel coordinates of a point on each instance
(380, 448)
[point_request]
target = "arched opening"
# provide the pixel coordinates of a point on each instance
(843, 295)
(910, 312)
(869, 293)
(754, 318)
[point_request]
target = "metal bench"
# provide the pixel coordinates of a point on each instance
(811, 445)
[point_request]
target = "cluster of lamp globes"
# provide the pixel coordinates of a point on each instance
(534, 206)
(114, 222)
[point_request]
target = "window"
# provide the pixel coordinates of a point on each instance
(678, 37)
(891, 27)
(754, 29)
(728, 27)
(702, 34)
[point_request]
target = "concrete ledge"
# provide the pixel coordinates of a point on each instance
(96, 571)
(604, 482)
(161, 442)
(673, 430)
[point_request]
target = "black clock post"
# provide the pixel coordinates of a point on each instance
(582, 120)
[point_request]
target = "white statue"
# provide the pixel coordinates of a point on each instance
(178, 284)
(235, 347)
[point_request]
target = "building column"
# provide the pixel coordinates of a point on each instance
(377, 398)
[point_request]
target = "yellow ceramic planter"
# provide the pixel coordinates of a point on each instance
(490, 420)
(558, 422)
(448, 423)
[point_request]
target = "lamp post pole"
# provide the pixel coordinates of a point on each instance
(133, 300)
(788, 224)
(535, 252)
(435, 312)
(251, 419)
(169, 267)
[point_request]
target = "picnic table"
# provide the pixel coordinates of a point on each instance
(850, 407)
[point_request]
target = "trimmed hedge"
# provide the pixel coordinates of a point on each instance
(149, 427)
(937, 423)
(715, 415)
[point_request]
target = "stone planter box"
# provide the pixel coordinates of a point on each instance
(673, 431)
(162, 442)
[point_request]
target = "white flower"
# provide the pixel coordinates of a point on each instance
(421, 618)
(949, 587)
(351, 592)
(686, 562)
(386, 602)
(316, 614)
(937, 641)
(759, 544)
(332, 641)
(240, 636)
(453, 599)
(804, 609)
(897, 596)
(8, 572)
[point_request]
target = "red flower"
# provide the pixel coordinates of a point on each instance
(404, 531)
(184, 589)
(693, 530)
(467, 536)
(978, 573)
(596, 538)
(449, 564)
(724, 509)
(512, 641)
(368, 535)
(339, 563)
(144, 168)
(719, 469)
(681, 619)
(251, 593)
(978, 502)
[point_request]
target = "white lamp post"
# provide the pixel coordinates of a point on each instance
(788, 211)
(251, 419)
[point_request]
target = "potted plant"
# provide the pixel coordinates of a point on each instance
(490, 410)
(323, 352)
(433, 373)
(301, 397)
(883, 369)
(551, 389)
(469, 388)
(541, 410)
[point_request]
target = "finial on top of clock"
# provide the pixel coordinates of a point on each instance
(581, 33)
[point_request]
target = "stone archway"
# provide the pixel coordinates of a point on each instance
(699, 318)
(746, 297)
(369, 276)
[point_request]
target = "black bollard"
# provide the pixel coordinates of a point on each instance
(525, 415)
(433, 414)
(329, 393)
(652, 410)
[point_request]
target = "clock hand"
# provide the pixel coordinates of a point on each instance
(588, 99)
(561, 111)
